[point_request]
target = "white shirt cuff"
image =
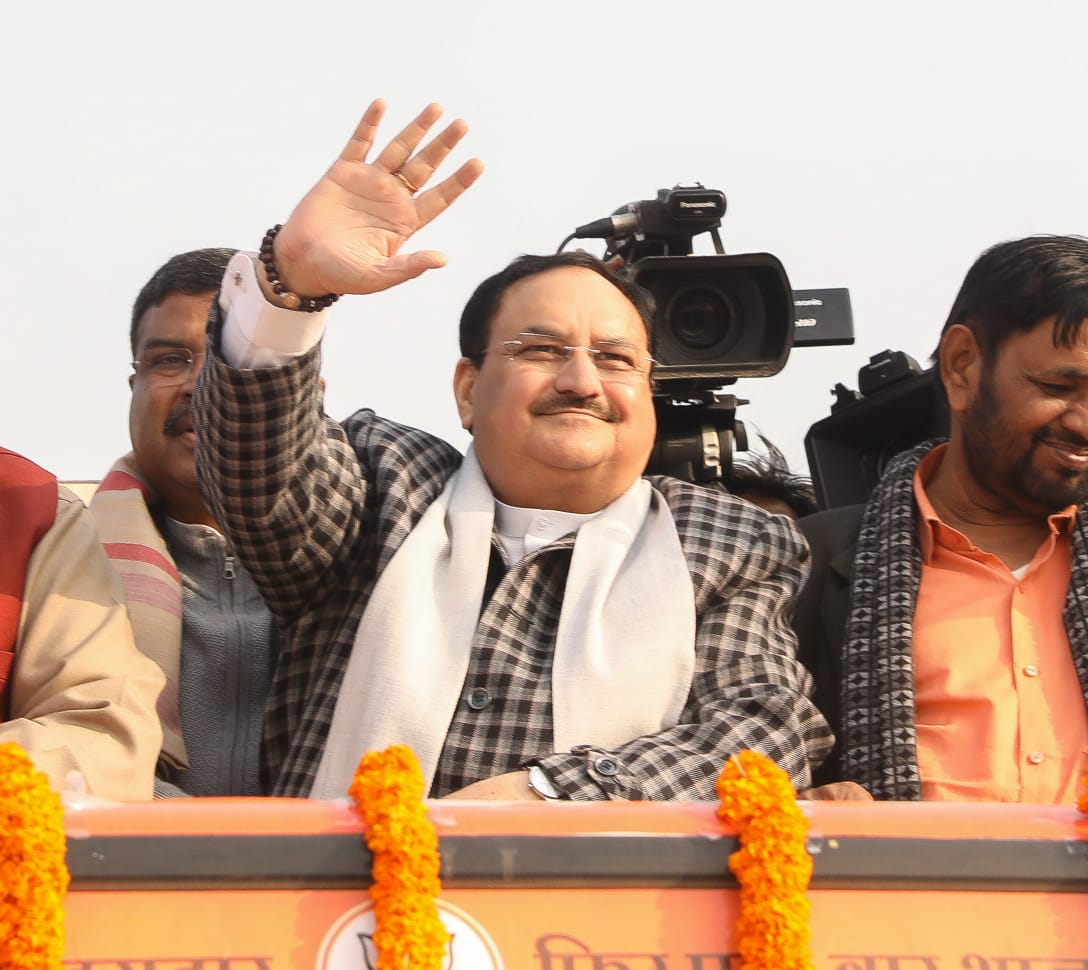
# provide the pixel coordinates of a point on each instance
(255, 333)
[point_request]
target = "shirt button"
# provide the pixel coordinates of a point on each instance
(1030, 670)
(607, 766)
(479, 699)
(1036, 758)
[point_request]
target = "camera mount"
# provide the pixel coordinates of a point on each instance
(697, 437)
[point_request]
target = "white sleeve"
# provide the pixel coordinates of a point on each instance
(255, 333)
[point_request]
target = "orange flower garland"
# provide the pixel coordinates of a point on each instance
(388, 790)
(33, 874)
(773, 866)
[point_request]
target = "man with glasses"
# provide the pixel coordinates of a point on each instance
(194, 609)
(535, 619)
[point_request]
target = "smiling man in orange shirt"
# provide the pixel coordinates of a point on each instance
(946, 621)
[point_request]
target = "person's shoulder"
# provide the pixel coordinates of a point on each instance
(371, 433)
(16, 469)
(73, 517)
(708, 499)
(701, 500)
(69, 501)
(28, 498)
(708, 513)
(835, 528)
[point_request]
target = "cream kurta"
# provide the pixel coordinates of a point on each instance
(82, 697)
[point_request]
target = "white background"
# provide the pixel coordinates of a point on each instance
(875, 146)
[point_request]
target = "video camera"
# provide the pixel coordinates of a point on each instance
(897, 405)
(718, 318)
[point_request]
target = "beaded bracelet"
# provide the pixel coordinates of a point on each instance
(292, 301)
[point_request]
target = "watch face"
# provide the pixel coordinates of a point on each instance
(542, 784)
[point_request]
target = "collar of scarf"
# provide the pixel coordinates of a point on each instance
(880, 744)
(624, 651)
(121, 507)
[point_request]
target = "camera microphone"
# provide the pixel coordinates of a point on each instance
(620, 224)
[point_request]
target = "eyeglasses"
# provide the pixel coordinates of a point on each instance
(168, 366)
(614, 362)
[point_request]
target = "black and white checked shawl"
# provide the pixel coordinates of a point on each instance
(878, 737)
(316, 509)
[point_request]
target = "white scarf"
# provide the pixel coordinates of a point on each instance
(624, 650)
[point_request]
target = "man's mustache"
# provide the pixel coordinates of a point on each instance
(599, 407)
(1058, 437)
(170, 426)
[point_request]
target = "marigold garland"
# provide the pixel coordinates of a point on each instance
(772, 865)
(33, 873)
(388, 790)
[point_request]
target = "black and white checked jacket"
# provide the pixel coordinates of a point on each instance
(315, 509)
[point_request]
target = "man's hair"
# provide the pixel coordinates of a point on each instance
(1014, 285)
(191, 274)
(484, 303)
(770, 477)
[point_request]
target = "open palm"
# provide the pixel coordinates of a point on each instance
(345, 236)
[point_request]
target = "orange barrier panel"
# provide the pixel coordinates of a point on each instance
(264, 884)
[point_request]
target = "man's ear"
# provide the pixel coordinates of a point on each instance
(960, 361)
(464, 383)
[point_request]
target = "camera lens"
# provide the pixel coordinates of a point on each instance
(700, 318)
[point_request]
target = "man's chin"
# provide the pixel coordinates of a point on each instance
(572, 453)
(1053, 493)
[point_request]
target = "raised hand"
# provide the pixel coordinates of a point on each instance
(345, 236)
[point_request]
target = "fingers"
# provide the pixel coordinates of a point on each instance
(414, 171)
(419, 168)
(415, 264)
(362, 139)
(406, 266)
(837, 791)
(397, 152)
(436, 200)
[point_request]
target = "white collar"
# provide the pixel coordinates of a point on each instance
(523, 531)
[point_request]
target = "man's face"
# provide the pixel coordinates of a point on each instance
(567, 435)
(159, 422)
(1025, 432)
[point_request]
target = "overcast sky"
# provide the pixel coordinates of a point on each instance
(872, 146)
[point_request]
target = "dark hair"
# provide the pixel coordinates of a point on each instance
(191, 274)
(1014, 285)
(770, 477)
(484, 303)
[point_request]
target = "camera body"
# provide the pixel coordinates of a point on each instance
(897, 405)
(718, 317)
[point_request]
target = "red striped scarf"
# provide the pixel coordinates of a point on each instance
(152, 585)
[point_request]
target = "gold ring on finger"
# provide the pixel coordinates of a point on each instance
(406, 182)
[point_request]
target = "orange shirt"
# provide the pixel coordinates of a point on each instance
(1000, 711)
